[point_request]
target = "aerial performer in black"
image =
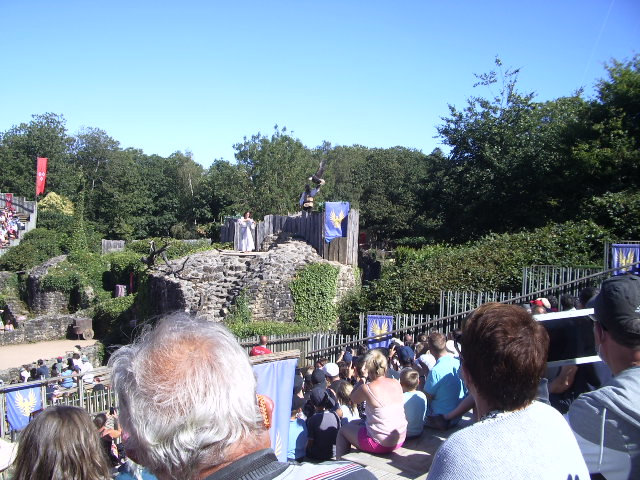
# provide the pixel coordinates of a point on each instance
(307, 197)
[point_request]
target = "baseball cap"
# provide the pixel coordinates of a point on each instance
(405, 354)
(331, 369)
(348, 355)
(317, 396)
(318, 376)
(617, 308)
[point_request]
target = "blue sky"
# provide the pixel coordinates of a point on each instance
(201, 75)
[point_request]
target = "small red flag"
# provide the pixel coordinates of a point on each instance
(41, 177)
(8, 201)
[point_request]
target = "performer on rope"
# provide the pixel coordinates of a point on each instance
(247, 226)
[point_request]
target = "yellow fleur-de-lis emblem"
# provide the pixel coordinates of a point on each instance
(625, 260)
(26, 405)
(336, 219)
(379, 329)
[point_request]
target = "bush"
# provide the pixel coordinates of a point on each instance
(111, 317)
(176, 249)
(36, 247)
(314, 290)
(122, 264)
(80, 270)
(239, 314)
(244, 330)
(413, 281)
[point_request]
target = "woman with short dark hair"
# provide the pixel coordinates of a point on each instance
(504, 355)
(61, 443)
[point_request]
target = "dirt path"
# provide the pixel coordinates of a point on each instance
(18, 355)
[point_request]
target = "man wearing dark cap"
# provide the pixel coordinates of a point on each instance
(606, 422)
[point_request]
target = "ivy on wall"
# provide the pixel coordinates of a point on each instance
(314, 291)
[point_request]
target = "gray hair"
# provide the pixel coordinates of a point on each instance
(187, 393)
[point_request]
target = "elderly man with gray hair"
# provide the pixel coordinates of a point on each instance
(188, 404)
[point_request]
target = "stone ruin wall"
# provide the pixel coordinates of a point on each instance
(208, 283)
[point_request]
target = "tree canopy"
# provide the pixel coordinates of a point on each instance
(514, 163)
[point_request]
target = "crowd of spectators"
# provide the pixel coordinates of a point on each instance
(10, 225)
(63, 368)
(377, 400)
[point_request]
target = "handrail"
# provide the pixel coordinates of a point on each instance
(276, 341)
(456, 315)
(96, 372)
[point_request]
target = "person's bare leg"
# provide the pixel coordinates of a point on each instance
(347, 436)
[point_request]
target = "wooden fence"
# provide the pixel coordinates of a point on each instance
(307, 226)
(112, 245)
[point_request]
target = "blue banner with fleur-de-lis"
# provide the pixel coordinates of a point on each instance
(335, 220)
(379, 325)
(21, 402)
(623, 255)
(275, 380)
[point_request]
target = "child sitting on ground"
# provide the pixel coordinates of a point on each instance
(349, 409)
(298, 435)
(322, 426)
(415, 402)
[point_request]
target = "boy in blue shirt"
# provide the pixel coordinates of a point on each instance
(415, 402)
(298, 435)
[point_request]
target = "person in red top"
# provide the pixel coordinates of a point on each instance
(260, 349)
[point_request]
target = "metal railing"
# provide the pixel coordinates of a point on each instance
(452, 322)
(540, 277)
(81, 394)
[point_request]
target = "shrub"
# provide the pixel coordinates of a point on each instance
(80, 270)
(413, 281)
(176, 249)
(111, 317)
(239, 314)
(243, 330)
(122, 264)
(314, 290)
(53, 202)
(36, 247)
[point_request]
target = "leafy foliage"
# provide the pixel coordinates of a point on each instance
(56, 203)
(111, 317)
(239, 314)
(243, 330)
(80, 270)
(177, 248)
(314, 290)
(412, 283)
(36, 247)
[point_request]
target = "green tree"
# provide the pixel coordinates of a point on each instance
(225, 190)
(278, 168)
(510, 165)
(44, 136)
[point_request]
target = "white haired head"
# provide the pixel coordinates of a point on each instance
(187, 393)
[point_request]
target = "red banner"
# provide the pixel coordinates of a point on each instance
(41, 177)
(8, 201)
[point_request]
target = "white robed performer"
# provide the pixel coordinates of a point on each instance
(247, 226)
